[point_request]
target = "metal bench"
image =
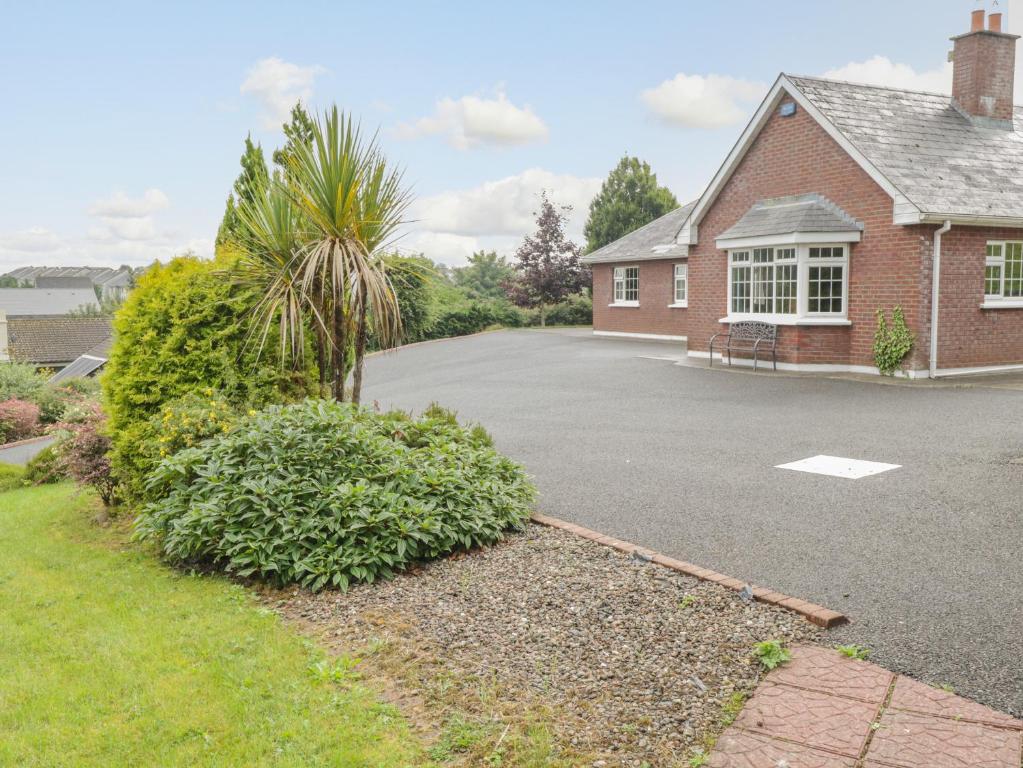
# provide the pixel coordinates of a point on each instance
(749, 336)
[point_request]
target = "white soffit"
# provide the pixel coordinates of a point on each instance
(836, 466)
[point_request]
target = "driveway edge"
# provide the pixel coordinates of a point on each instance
(817, 614)
(26, 441)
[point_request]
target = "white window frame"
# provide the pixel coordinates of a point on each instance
(680, 277)
(999, 299)
(620, 288)
(799, 254)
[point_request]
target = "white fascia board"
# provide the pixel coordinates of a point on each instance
(793, 238)
(902, 207)
(971, 221)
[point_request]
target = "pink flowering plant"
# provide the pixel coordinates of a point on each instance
(19, 419)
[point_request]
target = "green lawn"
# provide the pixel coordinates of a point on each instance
(108, 658)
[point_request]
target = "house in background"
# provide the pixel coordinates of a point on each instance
(38, 326)
(839, 200)
(108, 283)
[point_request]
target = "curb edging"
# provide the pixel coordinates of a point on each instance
(26, 441)
(816, 614)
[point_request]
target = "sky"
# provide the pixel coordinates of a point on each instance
(123, 123)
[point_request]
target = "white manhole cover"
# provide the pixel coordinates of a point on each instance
(836, 466)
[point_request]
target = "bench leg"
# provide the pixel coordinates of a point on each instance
(755, 353)
(711, 355)
(774, 356)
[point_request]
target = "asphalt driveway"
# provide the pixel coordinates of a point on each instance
(925, 559)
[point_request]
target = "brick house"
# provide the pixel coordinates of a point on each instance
(839, 200)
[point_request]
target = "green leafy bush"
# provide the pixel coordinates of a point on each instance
(11, 477)
(19, 381)
(324, 494)
(45, 467)
(183, 329)
(891, 343)
(575, 310)
(184, 423)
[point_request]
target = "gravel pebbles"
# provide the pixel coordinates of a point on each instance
(638, 660)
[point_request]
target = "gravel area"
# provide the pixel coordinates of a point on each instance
(637, 661)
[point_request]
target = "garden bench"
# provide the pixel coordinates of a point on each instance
(749, 336)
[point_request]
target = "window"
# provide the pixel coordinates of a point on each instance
(681, 293)
(789, 281)
(626, 285)
(1003, 271)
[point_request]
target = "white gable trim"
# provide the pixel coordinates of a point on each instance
(904, 211)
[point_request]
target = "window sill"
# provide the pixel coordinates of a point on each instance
(1002, 304)
(624, 304)
(679, 305)
(776, 320)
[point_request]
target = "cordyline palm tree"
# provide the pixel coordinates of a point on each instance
(314, 243)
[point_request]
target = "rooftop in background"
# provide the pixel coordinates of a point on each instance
(655, 240)
(22, 302)
(57, 340)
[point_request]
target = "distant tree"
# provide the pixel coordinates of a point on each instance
(485, 275)
(250, 183)
(548, 267)
(298, 131)
(628, 199)
(6, 281)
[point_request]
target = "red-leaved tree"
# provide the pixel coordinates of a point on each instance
(547, 267)
(83, 452)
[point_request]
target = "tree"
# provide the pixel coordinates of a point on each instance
(548, 263)
(628, 199)
(250, 182)
(298, 131)
(314, 245)
(485, 275)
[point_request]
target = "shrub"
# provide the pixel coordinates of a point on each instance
(56, 400)
(183, 329)
(45, 467)
(184, 423)
(575, 310)
(19, 419)
(324, 494)
(84, 454)
(11, 477)
(19, 381)
(891, 344)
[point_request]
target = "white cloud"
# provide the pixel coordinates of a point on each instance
(278, 84)
(32, 240)
(120, 206)
(473, 121)
(703, 101)
(495, 215)
(880, 70)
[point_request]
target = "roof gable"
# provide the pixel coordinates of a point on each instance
(783, 87)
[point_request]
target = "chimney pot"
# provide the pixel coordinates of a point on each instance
(994, 22)
(977, 20)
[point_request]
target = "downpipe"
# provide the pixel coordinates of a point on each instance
(935, 283)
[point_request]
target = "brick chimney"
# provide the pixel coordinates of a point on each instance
(984, 66)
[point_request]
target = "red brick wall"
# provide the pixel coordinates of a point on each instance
(656, 292)
(969, 336)
(794, 155)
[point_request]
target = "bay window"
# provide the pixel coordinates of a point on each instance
(625, 291)
(788, 283)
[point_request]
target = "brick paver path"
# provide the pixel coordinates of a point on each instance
(823, 710)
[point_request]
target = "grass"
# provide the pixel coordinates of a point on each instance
(108, 657)
(10, 476)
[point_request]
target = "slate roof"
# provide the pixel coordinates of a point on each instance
(944, 163)
(655, 240)
(796, 213)
(44, 301)
(56, 338)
